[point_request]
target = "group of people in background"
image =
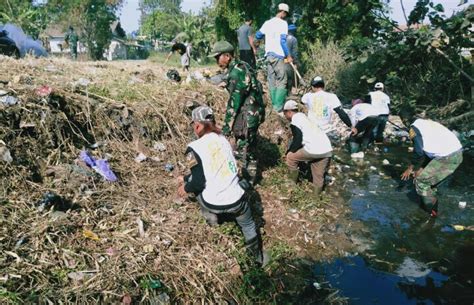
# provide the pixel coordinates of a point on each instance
(214, 163)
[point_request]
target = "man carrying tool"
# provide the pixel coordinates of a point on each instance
(275, 32)
(184, 51)
(245, 107)
(381, 103)
(292, 45)
(321, 106)
(309, 144)
(437, 154)
(363, 120)
(247, 49)
(213, 179)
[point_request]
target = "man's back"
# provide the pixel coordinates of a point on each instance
(243, 34)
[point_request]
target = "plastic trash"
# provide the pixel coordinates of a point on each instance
(359, 155)
(51, 199)
(462, 204)
(101, 166)
(385, 162)
(317, 285)
(5, 154)
(90, 235)
(385, 149)
(44, 91)
(373, 168)
(8, 100)
(159, 146)
(140, 158)
(169, 167)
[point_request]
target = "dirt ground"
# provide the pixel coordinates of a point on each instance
(69, 236)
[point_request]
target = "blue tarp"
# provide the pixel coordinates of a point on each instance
(25, 44)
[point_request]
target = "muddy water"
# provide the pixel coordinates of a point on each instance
(403, 257)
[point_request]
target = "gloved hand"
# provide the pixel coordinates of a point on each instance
(226, 130)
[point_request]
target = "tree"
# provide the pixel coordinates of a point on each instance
(172, 7)
(92, 18)
(31, 18)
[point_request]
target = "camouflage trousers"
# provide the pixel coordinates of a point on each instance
(435, 172)
(246, 145)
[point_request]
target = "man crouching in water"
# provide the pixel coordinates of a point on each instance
(213, 179)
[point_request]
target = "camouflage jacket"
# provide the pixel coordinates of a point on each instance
(246, 94)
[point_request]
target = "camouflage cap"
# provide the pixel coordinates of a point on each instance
(221, 47)
(202, 114)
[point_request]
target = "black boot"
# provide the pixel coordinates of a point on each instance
(254, 249)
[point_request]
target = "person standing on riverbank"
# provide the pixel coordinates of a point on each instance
(381, 102)
(275, 32)
(309, 144)
(247, 49)
(437, 154)
(213, 179)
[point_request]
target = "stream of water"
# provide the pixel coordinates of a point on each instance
(403, 257)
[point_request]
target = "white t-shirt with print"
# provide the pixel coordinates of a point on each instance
(220, 169)
(315, 141)
(380, 101)
(273, 29)
(361, 111)
(321, 106)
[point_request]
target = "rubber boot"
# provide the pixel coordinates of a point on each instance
(280, 96)
(317, 192)
(254, 249)
(272, 95)
(430, 204)
(293, 175)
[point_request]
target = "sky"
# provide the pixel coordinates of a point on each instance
(130, 14)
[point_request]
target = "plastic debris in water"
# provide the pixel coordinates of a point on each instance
(385, 149)
(462, 204)
(359, 155)
(385, 162)
(90, 235)
(101, 166)
(5, 155)
(317, 285)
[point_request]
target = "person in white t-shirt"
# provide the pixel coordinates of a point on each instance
(381, 102)
(309, 144)
(363, 120)
(437, 154)
(277, 54)
(214, 180)
(321, 106)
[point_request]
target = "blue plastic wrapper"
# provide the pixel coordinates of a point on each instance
(101, 166)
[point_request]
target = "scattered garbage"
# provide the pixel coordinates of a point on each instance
(127, 299)
(82, 82)
(101, 166)
(3, 92)
(8, 100)
(76, 276)
(169, 167)
(462, 204)
(43, 91)
(385, 162)
(359, 155)
(90, 235)
(279, 132)
(317, 285)
(5, 154)
(385, 149)
(410, 149)
(51, 199)
(159, 146)
(140, 158)
(173, 75)
(373, 168)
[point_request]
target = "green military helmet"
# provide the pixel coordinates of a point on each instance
(221, 47)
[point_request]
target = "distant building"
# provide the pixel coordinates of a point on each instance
(53, 40)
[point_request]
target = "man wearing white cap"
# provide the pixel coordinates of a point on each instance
(380, 101)
(277, 54)
(309, 144)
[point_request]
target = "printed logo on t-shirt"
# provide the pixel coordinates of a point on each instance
(218, 159)
(319, 109)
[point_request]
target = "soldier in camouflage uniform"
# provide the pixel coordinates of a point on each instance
(245, 108)
(72, 39)
(437, 154)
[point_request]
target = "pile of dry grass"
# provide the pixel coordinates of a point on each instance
(104, 242)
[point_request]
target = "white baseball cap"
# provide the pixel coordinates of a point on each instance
(283, 7)
(290, 105)
(378, 86)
